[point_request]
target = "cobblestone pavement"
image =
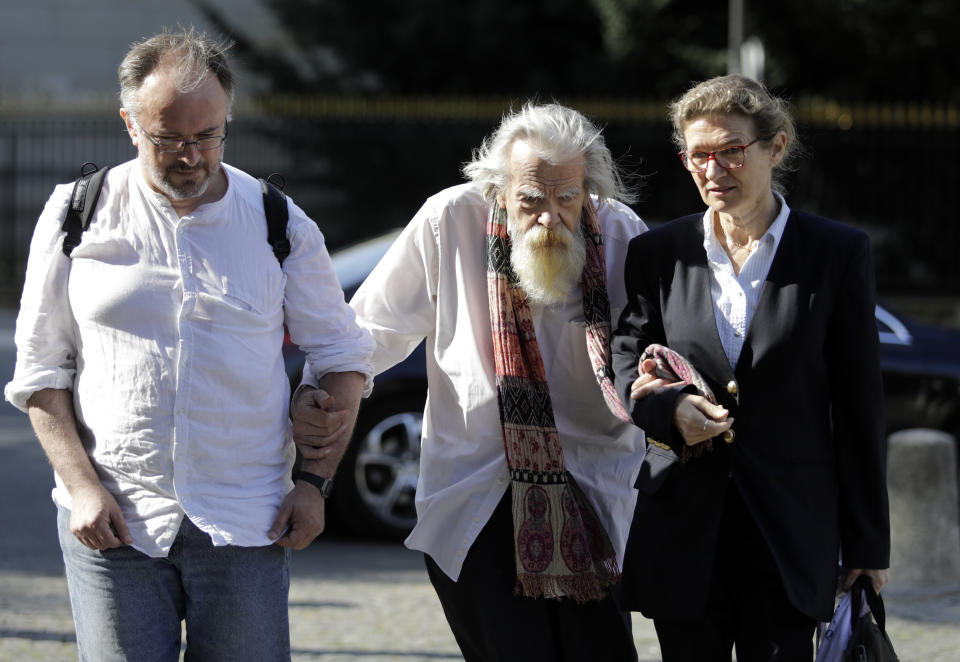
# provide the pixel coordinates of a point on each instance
(371, 602)
(350, 601)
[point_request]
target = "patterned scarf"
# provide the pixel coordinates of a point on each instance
(561, 546)
(676, 368)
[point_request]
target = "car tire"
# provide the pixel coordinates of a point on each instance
(377, 478)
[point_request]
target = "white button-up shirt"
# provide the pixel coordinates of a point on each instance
(168, 331)
(735, 296)
(432, 284)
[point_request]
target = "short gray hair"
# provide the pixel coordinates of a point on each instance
(559, 134)
(190, 53)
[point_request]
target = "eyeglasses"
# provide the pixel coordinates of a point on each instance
(177, 145)
(730, 157)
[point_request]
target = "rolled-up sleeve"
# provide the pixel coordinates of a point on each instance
(317, 316)
(397, 302)
(45, 334)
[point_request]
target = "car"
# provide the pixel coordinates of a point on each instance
(373, 494)
(921, 373)
(376, 483)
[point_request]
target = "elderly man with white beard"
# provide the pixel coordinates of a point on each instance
(527, 466)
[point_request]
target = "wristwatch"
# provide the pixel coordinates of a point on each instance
(325, 485)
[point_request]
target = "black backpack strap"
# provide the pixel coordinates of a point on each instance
(83, 202)
(275, 208)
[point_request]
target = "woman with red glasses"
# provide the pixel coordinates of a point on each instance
(766, 464)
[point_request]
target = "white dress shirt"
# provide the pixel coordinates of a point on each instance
(432, 284)
(735, 296)
(168, 331)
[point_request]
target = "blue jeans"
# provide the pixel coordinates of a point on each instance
(128, 606)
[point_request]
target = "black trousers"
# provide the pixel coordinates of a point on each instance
(748, 607)
(491, 624)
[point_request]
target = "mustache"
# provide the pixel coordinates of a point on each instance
(185, 168)
(539, 236)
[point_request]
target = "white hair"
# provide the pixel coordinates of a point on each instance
(558, 134)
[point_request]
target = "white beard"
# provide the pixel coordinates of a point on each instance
(548, 262)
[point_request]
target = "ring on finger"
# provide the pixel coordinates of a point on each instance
(705, 421)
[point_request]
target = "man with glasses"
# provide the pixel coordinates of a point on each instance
(150, 364)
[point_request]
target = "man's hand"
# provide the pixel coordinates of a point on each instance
(96, 520)
(879, 578)
(95, 517)
(323, 421)
(320, 429)
(698, 419)
(301, 517)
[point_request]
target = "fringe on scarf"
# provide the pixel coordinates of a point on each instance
(561, 547)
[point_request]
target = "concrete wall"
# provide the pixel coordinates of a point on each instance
(66, 52)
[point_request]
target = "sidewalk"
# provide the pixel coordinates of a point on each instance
(350, 601)
(370, 602)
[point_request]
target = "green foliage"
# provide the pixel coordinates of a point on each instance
(358, 175)
(860, 49)
(543, 48)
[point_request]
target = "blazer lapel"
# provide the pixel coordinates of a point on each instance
(777, 306)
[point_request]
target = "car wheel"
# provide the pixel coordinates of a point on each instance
(377, 479)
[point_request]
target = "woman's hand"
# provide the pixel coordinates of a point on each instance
(698, 419)
(878, 578)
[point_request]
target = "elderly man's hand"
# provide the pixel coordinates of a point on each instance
(649, 382)
(319, 428)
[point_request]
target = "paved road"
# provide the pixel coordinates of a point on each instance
(350, 601)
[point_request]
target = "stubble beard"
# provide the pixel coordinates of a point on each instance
(188, 189)
(548, 262)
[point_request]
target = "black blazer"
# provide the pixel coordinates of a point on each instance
(809, 453)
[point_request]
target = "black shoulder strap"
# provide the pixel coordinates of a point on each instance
(86, 192)
(275, 207)
(83, 202)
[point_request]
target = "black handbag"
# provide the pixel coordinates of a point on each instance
(868, 637)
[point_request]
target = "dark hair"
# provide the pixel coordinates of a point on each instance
(191, 55)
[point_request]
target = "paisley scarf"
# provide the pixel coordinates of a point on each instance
(562, 549)
(676, 368)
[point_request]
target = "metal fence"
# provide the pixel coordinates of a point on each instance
(359, 167)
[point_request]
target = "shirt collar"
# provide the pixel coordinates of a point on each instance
(162, 201)
(773, 234)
